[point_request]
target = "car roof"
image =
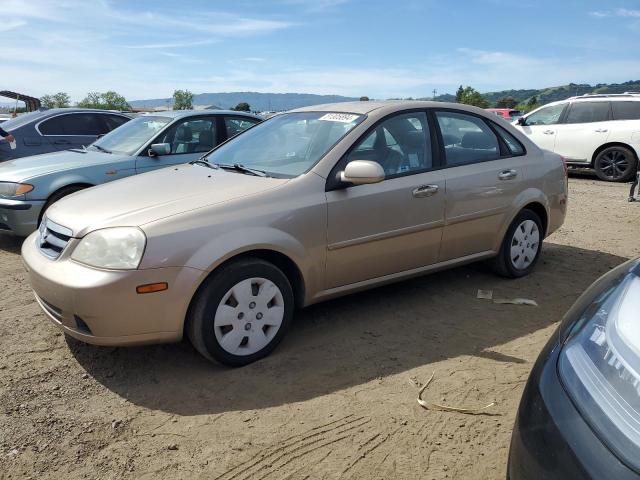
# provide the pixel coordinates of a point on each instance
(192, 113)
(387, 106)
(56, 111)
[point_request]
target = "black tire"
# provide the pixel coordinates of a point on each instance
(57, 196)
(615, 164)
(200, 326)
(503, 264)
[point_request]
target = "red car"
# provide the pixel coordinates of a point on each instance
(509, 114)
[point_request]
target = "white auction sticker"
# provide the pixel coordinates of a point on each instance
(339, 117)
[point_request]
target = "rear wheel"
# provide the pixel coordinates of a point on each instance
(521, 246)
(615, 164)
(60, 194)
(241, 312)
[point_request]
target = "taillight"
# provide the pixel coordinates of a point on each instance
(564, 164)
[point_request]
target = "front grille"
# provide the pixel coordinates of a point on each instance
(53, 238)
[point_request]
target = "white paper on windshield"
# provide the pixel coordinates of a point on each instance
(339, 117)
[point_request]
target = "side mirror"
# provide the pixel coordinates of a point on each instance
(362, 172)
(521, 121)
(160, 149)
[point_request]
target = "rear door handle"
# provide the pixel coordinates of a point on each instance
(425, 191)
(507, 174)
(602, 130)
(549, 132)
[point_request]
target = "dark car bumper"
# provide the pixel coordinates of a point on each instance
(551, 440)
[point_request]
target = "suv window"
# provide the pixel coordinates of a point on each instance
(546, 116)
(236, 125)
(467, 139)
(400, 144)
(587, 112)
(626, 110)
(191, 135)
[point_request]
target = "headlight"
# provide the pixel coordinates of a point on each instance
(10, 189)
(600, 367)
(115, 248)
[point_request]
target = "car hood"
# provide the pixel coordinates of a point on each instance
(138, 200)
(22, 169)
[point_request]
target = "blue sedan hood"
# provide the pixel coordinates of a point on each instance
(23, 169)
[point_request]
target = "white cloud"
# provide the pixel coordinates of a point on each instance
(618, 12)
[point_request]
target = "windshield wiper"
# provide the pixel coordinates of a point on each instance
(102, 149)
(238, 167)
(204, 163)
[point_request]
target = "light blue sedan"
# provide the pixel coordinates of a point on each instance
(28, 186)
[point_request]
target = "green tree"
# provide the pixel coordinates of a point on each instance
(470, 96)
(506, 102)
(57, 100)
(459, 93)
(105, 101)
(242, 107)
(182, 100)
(114, 101)
(364, 98)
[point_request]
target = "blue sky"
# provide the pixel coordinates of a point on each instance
(380, 48)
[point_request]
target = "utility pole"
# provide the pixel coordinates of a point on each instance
(435, 92)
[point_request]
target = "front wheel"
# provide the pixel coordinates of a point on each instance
(241, 312)
(615, 164)
(521, 246)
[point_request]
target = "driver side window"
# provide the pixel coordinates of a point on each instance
(192, 135)
(401, 144)
(546, 116)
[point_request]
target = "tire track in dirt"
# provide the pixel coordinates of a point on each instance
(295, 447)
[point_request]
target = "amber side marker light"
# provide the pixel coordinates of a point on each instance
(152, 287)
(23, 188)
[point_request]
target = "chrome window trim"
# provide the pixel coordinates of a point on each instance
(37, 126)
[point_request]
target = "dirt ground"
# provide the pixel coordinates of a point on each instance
(336, 400)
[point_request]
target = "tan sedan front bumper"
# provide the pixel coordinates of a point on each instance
(102, 307)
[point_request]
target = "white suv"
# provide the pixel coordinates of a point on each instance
(597, 131)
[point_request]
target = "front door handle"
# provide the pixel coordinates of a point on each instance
(602, 130)
(507, 174)
(549, 132)
(425, 191)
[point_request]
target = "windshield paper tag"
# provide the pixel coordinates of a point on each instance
(339, 117)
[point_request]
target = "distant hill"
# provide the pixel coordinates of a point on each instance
(553, 94)
(257, 101)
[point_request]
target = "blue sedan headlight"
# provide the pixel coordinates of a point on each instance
(600, 367)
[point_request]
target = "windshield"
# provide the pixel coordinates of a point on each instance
(128, 138)
(22, 120)
(286, 145)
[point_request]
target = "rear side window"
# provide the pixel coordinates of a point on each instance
(467, 139)
(515, 147)
(53, 126)
(81, 124)
(626, 110)
(237, 125)
(588, 112)
(114, 121)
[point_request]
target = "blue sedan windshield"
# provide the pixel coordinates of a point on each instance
(128, 138)
(286, 145)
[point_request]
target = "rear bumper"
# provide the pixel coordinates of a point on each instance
(102, 307)
(19, 217)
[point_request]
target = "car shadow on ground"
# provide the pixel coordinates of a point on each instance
(9, 243)
(355, 339)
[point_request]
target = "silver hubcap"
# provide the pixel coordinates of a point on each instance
(525, 244)
(249, 316)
